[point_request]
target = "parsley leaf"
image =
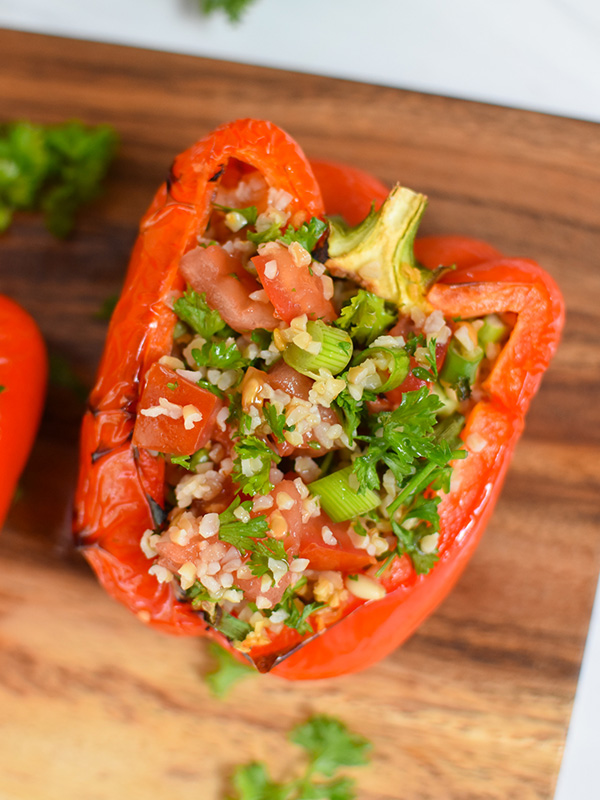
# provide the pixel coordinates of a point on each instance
(430, 374)
(268, 235)
(262, 338)
(276, 422)
(190, 462)
(193, 309)
(366, 316)
(252, 465)
(330, 744)
(227, 672)
(262, 552)
(241, 534)
(233, 9)
(54, 168)
(400, 437)
(298, 612)
(223, 354)
(249, 213)
(252, 782)
(308, 234)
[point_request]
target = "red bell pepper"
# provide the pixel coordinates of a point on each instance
(23, 374)
(121, 486)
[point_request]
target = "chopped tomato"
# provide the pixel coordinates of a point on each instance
(292, 287)
(304, 536)
(229, 288)
(174, 415)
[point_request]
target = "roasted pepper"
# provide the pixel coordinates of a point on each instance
(23, 374)
(129, 506)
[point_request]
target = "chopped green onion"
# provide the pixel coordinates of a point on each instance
(392, 364)
(460, 365)
(492, 330)
(334, 354)
(339, 500)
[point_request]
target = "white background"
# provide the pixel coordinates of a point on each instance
(542, 55)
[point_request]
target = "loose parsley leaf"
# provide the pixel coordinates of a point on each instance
(252, 782)
(193, 309)
(330, 744)
(241, 534)
(227, 672)
(252, 465)
(366, 316)
(233, 9)
(54, 168)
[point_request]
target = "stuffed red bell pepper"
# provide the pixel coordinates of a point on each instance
(301, 424)
(23, 374)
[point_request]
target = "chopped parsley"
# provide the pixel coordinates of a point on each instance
(190, 462)
(224, 354)
(366, 316)
(298, 612)
(249, 213)
(262, 552)
(276, 422)
(193, 309)
(308, 234)
(240, 534)
(430, 374)
(252, 465)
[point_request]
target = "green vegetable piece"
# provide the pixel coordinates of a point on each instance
(193, 309)
(55, 169)
(190, 462)
(392, 364)
(308, 234)
(334, 355)
(232, 627)
(249, 214)
(492, 331)
(253, 477)
(460, 365)
(330, 744)
(241, 534)
(379, 251)
(233, 9)
(365, 316)
(227, 672)
(339, 500)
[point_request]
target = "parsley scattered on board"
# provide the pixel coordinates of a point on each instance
(227, 671)
(54, 169)
(232, 8)
(328, 745)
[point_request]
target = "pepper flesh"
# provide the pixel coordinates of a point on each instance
(119, 486)
(23, 375)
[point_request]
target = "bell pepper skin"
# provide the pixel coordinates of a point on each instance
(23, 377)
(119, 486)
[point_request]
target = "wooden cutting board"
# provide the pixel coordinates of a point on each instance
(476, 705)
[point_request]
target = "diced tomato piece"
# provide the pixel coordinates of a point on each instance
(228, 288)
(164, 429)
(293, 288)
(305, 539)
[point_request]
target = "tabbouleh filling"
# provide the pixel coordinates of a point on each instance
(334, 428)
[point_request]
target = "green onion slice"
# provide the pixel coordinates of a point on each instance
(334, 355)
(492, 330)
(339, 500)
(460, 365)
(392, 365)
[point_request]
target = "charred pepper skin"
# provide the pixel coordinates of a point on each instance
(23, 376)
(119, 486)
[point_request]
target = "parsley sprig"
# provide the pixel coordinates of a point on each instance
(328, 745)
(366, 316)
(248, 449)
(193, 309)
(240, 534)
(298, 612)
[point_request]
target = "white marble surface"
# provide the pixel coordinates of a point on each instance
(542, 55)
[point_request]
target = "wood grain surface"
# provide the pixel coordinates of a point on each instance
(476, 705)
